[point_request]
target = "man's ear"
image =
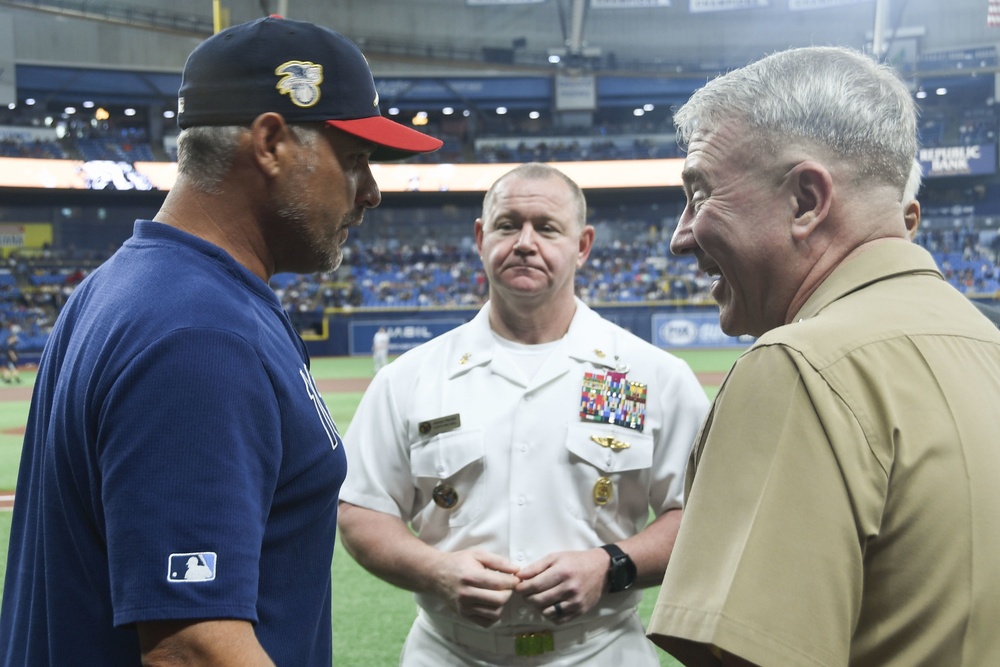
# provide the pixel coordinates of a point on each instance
(269, 137)
(911, 218)
(812, 194)
(586, 244)
(478, 231)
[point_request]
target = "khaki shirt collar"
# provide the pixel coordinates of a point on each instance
(880, 261)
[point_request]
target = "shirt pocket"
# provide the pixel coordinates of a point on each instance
(447, 472)
(611, 467)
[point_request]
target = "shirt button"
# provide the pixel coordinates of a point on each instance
(521, 500)
(520, 556)
(523, 447)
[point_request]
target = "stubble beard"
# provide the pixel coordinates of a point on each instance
(319, 240)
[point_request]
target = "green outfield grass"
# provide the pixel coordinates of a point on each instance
(370, 617)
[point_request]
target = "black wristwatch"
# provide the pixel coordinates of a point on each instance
(621, 572)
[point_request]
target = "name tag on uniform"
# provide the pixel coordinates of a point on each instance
(439, 425)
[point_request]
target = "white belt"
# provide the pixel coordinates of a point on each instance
(523, 641)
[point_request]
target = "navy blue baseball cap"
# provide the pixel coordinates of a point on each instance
(305, 72)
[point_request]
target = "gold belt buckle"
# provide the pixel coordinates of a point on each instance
(534, 643)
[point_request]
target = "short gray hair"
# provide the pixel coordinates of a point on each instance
(831, 97)
(912, 183)
(538, 171)
(205, 154)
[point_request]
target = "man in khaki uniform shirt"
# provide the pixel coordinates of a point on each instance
(842, 498)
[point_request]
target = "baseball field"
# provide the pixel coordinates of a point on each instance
(370, 618)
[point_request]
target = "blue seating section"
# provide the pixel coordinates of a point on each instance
(386, 273)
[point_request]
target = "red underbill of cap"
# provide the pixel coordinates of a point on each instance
(388, 133)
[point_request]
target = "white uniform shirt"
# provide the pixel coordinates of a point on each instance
(522, 461)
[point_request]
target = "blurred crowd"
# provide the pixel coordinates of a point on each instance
(386, 271)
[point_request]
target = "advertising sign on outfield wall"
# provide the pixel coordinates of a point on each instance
(403, 334)
(974, 160)
(699, 329)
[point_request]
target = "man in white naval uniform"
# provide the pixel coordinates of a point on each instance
(525, 449)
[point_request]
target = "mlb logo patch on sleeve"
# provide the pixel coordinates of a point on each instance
(184, 568)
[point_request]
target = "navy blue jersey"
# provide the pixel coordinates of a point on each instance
(179, 463)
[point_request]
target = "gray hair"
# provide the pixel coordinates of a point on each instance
(538, 171)
(912, 183)
(830, 97)
(205, 154)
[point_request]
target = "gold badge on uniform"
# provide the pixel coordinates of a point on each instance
(445, 496)
(612, 443)
(604, 489)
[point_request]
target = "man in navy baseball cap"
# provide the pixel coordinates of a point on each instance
(301, 70)
(178, 488)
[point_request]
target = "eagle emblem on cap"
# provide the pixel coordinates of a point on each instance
(300, 81)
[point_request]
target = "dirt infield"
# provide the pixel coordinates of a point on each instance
(15, 392)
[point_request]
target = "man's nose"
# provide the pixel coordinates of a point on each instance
(682, 242)
(368, 195)
(525, 242)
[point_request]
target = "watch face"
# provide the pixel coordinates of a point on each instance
(622, 573)
(630, 572)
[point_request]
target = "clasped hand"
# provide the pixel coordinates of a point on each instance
(478, 584)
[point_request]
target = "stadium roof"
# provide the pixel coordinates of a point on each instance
(420, 37)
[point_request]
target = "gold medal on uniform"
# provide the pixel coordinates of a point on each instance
(445, 496)
(604, 490)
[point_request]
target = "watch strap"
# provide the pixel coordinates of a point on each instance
(621, 570)
(613, 550)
